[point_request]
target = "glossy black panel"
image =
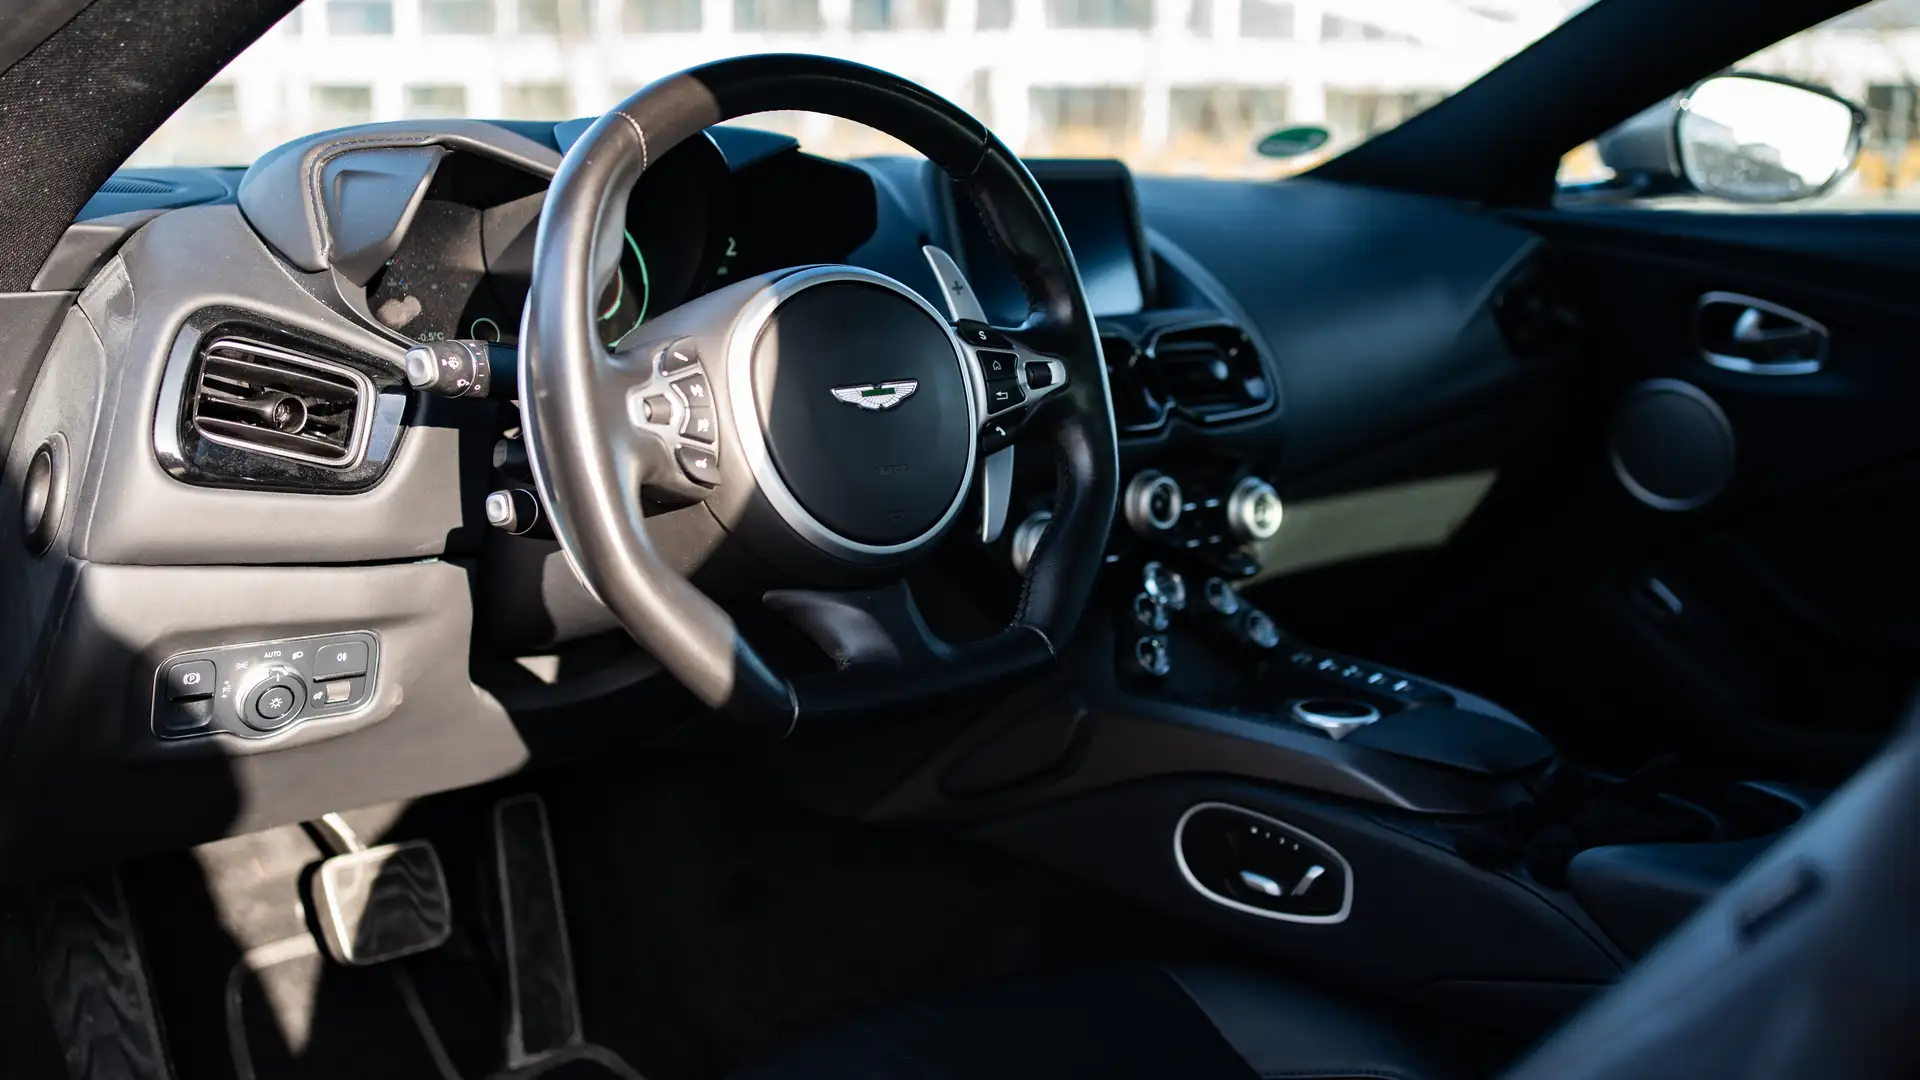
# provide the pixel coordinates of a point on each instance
(881, 468)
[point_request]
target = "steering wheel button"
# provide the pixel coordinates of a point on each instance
(340, 660)
(701, 466)
(656, 409)
(1039, 376)
(997, 365)
(1004, 394)
(695, 391)
(979, 333)
(698, 424)
(678, 357)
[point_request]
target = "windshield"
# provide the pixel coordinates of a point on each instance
(1169, 86)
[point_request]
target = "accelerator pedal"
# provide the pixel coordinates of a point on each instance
(545, 1016)
(382, 903)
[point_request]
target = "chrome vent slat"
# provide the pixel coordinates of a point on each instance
(258, 396)
(1138, 404)
(1211, 372)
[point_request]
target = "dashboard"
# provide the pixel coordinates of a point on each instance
(1304, 335)
(693, 222)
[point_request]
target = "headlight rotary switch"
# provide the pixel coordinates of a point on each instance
(272, 698)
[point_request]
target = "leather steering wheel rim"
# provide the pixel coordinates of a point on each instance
(592, 490)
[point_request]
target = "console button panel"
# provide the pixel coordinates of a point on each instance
(266, 687)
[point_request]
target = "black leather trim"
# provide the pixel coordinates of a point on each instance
(1802, 966)
(1640, 892)
(1282, 1030)
(1125, 1024)
(599, 520)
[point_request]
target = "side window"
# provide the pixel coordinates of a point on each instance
(1748, 145)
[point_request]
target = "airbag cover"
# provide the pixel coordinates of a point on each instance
(887, 466)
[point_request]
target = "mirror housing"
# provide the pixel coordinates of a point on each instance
(1739, 136)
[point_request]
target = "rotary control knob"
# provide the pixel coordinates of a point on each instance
(1165, 584)
(1254, 509)
(272, 698)
(1152, 502)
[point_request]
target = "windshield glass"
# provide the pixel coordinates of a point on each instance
(1169, 86)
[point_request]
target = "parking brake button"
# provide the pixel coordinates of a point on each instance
(190, 680)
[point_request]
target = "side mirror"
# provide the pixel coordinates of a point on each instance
(1741, 137)
(1750, 138)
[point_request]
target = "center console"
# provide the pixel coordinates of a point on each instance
(1369, 823)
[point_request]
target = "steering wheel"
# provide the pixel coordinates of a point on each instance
(829, 418)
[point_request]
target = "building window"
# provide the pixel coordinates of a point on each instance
(216, 103)
(777, 16)
(1226, 114)
(536, 101)
(980, 96)
(340, 106)
(1083, 120)
(563, 18)
(1266, 19)
(1359, 114)
(899, 14)
(456, 16)
(659, 16)
(1200, 18)
(993, 15)
(359, 16)
(1337, 28)
(434, 102)
(1100, 14)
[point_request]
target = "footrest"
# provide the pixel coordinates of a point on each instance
(382, 903)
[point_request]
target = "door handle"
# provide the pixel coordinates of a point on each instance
(1756, 337)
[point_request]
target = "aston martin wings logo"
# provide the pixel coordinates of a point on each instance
(877, 395)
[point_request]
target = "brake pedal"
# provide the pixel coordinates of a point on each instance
(382, 903)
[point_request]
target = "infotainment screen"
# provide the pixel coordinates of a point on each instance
(1095, 204)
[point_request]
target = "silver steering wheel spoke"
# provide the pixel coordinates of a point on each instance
(1013, 380)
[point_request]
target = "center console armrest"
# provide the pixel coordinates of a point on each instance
(1640, 892)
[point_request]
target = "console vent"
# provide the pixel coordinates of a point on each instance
(1212, 373)
(1139, 402)
(266, 398)
(1533, 309)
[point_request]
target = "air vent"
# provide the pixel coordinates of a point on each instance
(135, 185)
(262, 397)
(1139, 404)
(1211, 373)
(1533, 310)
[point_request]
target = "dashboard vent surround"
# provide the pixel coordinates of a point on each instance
(1139, 401)
(263, 397)
(1211, 372)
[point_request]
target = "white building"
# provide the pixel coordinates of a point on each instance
(1172, 85)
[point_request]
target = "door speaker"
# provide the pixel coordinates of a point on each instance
(1671, 445)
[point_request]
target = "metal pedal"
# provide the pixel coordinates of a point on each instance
(545, 1017)
(382, 903)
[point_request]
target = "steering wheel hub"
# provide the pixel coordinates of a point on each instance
(857, 411)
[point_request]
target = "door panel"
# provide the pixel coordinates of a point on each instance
(1775, 627)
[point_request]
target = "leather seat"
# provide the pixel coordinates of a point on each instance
(1184, 1023)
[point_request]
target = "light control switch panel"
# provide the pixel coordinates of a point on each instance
(263, 688)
